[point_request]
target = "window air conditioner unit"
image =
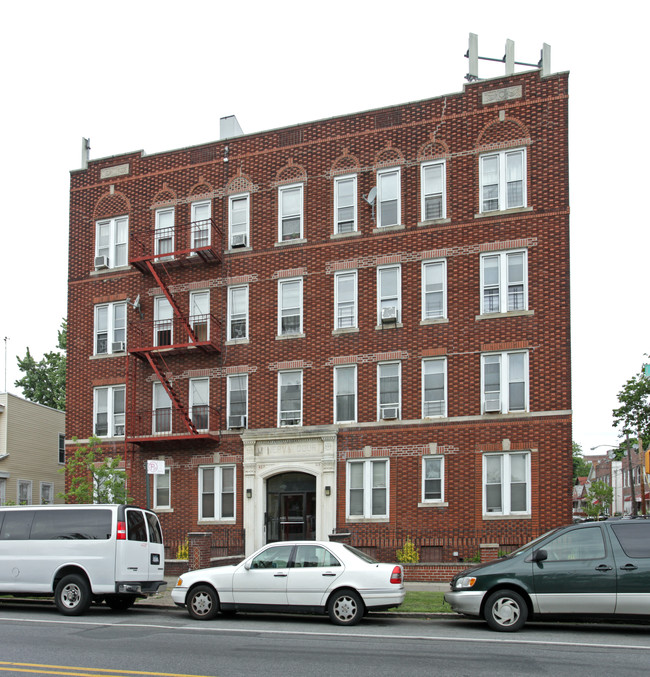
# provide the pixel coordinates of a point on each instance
(389, 314)
(119, 431)
(239, 240)
(492, 404)
(389, 412)
(235, 422)
(118, 347)
(101, 262)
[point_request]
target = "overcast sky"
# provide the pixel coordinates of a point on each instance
(158, 75)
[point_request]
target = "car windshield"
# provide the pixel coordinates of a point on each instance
(534, 542)
(360, 554)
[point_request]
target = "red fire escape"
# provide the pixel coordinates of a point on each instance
(160, 253)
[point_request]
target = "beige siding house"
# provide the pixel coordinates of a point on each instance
(32, 444)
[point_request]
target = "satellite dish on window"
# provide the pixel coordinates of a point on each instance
(372, 196)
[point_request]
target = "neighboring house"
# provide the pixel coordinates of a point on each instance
(579, 491)
(356, 327)
(32, 450)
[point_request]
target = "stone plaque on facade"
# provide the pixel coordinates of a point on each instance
(505, 94)
(111, 172)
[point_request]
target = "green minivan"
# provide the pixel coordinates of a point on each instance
(588, 570)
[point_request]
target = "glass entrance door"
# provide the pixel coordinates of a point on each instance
(291, 507)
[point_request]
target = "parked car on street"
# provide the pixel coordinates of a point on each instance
(295, 577)
(588, 570)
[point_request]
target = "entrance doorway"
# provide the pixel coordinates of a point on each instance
(290, 507)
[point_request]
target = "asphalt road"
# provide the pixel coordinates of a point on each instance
(36, 640)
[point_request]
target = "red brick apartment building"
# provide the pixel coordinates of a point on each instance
(357, 326)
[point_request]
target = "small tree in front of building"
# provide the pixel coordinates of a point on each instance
(93, 478)
(598, 499)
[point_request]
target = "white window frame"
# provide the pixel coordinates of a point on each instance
(165, 233)
(238, 294)
(501, 296)
(163, 320)
(383, 200)
(339, 181)
(382, 408)
(282, 192)
(239, 228)
(218, 492)
(388, 300)
(337, 384)
(201, 225)
(115, 233)
(160, 396)
(428, 411)
(507, 377)
(367, 488)
(498, 195)
(506, 483)
(283, 418)
(115, 421)
(42, 499)
(434, 264)
(166, 484)
(424, 169)
(341, 320)
(232, 379)
(437, 459)
(114, 333)
(200, 314)
(27, 484)
(281, 285)
(199, 390)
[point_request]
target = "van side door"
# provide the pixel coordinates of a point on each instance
(631, 545)
(133, 553)
(156, 548)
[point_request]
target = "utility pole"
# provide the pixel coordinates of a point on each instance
(6, 339)
(631, 475)
(642, 475)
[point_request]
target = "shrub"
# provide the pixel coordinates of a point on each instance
(183, 551)
(408, 554)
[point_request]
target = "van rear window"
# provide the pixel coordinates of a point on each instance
(634, 538)
(77, 524)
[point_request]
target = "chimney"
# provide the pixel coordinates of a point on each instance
(229, 127)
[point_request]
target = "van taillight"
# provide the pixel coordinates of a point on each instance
(121, 531)
(396, 576)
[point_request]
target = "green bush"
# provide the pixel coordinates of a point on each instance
(408, 554)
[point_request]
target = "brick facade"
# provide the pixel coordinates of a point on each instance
(458, 129)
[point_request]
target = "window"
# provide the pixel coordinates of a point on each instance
(290, 212)
(433, 479)
(634, 538)
(345, 394)
(367, 488)
(505, 382)
(276, 557)
(24, 492)
(434, 290)
(3, 491)
(575, 545)
(164, 234)
(345, 300)
(110, 328)
(163, 322)
(238, 220)
(289, 307)
(238, 312)
(200, 314)
(432, 181)
(238, 401)
(162, 409)
(504, 282)
(61, 448)
(290, 397)
(389, 294)
(314, 556)
(434, 387)
(199, 402)
(503, 180)
(506, 483)
(109, 411)
(345, 204)
(388, 197)
(47, 493)
(217, 492)
(111, 237)
(162, 490)
(389, 388)
(201, 222)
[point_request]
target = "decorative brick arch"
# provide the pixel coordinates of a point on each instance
(111, 204)
(507, 132)
(389, 157)
(345, 164)
(165, 197)
(241, 183)
(290, 173)
(433, 150)
(201, 189)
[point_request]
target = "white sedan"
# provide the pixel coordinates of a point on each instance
(295, 577)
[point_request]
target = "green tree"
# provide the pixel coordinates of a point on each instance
(632, 417)
(44, 381)
(93, 477)
(598, 499)
(580, 466)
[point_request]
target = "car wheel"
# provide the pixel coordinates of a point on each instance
(120, 602)
(345, 608)
(72, 595)
(202, 603)
(506, 611)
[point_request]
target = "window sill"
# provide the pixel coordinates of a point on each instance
(434, 222)
(286, 243)
(510, 313)
(433, 504)
(389, 325)
(384, 229)
(287, 337)
(103, 356)
(163, 510)
(490, 517)
(209, 520)
(106, 271)
(434, 320)
(345, 330)
(366, 520)
(237, 342)
(234, 250)
(503, 212)
(343, 236)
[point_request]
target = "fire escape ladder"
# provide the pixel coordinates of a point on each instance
(172, 302)
(172, 394)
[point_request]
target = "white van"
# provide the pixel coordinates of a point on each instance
(81, 554)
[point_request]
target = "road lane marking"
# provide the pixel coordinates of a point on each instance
(83, 672)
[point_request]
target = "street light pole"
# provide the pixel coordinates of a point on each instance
(631, 475)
